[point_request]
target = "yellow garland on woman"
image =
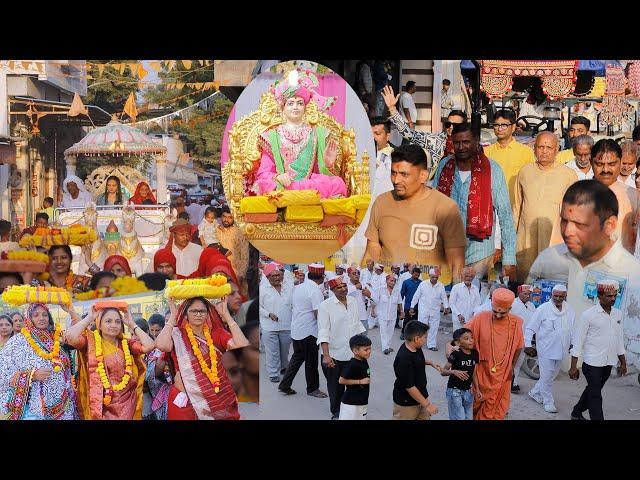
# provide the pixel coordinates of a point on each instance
(210, 372)
(102, 371)
(54, 355)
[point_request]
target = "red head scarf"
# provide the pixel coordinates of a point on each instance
(113, 260)
(137, 199)
(164, 255)
(212, 318)
(212, 261)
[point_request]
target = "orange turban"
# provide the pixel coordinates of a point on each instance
(180, 225)
(502, 298)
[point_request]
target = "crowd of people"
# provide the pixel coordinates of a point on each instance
(194, 362)
(447, 203)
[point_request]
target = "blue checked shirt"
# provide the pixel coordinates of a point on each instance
(478, 249)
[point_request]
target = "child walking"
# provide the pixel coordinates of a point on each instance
(460, 369)
(356, 377)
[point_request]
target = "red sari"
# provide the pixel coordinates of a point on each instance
(203, 402)
(137, 198)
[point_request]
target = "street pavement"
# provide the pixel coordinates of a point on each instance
(621, 395)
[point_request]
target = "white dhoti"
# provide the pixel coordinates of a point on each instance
(352, 412)
(517, 367)
(548, 372)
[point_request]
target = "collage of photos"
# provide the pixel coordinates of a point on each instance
(320, 240)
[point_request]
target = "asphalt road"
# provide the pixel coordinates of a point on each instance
(621, 394)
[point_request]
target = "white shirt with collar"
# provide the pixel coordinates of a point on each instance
(524, 311)
(553, 329)
(337, 324)
(187, 259)
(366, 276)
(463, 300)
(581, 175)
(280, 304)
(382, 182)
(357, 295)
(428, 297)
(599, 337)
(386, 303)
(306, 298)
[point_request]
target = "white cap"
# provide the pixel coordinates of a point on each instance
(343, 266)
(560, 287)
(379, 266)
(432, 271)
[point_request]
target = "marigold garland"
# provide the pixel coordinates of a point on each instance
(215, 286)
(54, 355)
(102, 371)
(22, 294)
(29, 255)
(46, 237)
(210, 372)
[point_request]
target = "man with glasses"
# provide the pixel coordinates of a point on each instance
(507, 151)
(538, 193)
(581, 163)
(499, 340)
(579, 125)
(275, 321)
(338, 321)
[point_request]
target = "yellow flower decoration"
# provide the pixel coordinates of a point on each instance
(22, 294)
(29, 255)
(210, 372)
(54, 355)
(215, 286)
(46, 237)
(102, 371)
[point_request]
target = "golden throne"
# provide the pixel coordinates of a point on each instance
(311, 240)
(129, 179)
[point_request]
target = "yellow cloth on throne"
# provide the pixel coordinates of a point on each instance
(259, 204)
(339, 206)
(303, 214)
(288, 198)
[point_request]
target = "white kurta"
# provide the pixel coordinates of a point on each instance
(428, 297)
(277, 303)
(357, 295)
(462, 301)
(553, 329)
(386, 311)
(337, 324)
(187, 259)
(305, 298)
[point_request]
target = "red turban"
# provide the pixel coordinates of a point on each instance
(114, 260)
(137, 199)
(502, 298)
(524, 288)
(269, 269)
(334, 282)
(181, 225)
(164, 255)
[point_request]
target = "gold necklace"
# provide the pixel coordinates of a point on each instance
(494, 369)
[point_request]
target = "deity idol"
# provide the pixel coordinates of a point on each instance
(296, 155)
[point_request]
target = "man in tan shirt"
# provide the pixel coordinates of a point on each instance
(538, 192)
(415, 223)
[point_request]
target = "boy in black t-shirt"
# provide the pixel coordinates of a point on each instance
(356, 377)
(410, 396)
(460, 368)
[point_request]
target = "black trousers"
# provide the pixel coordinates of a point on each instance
(334, 388)
(408, 318)
(304, 351)
(591, 398)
